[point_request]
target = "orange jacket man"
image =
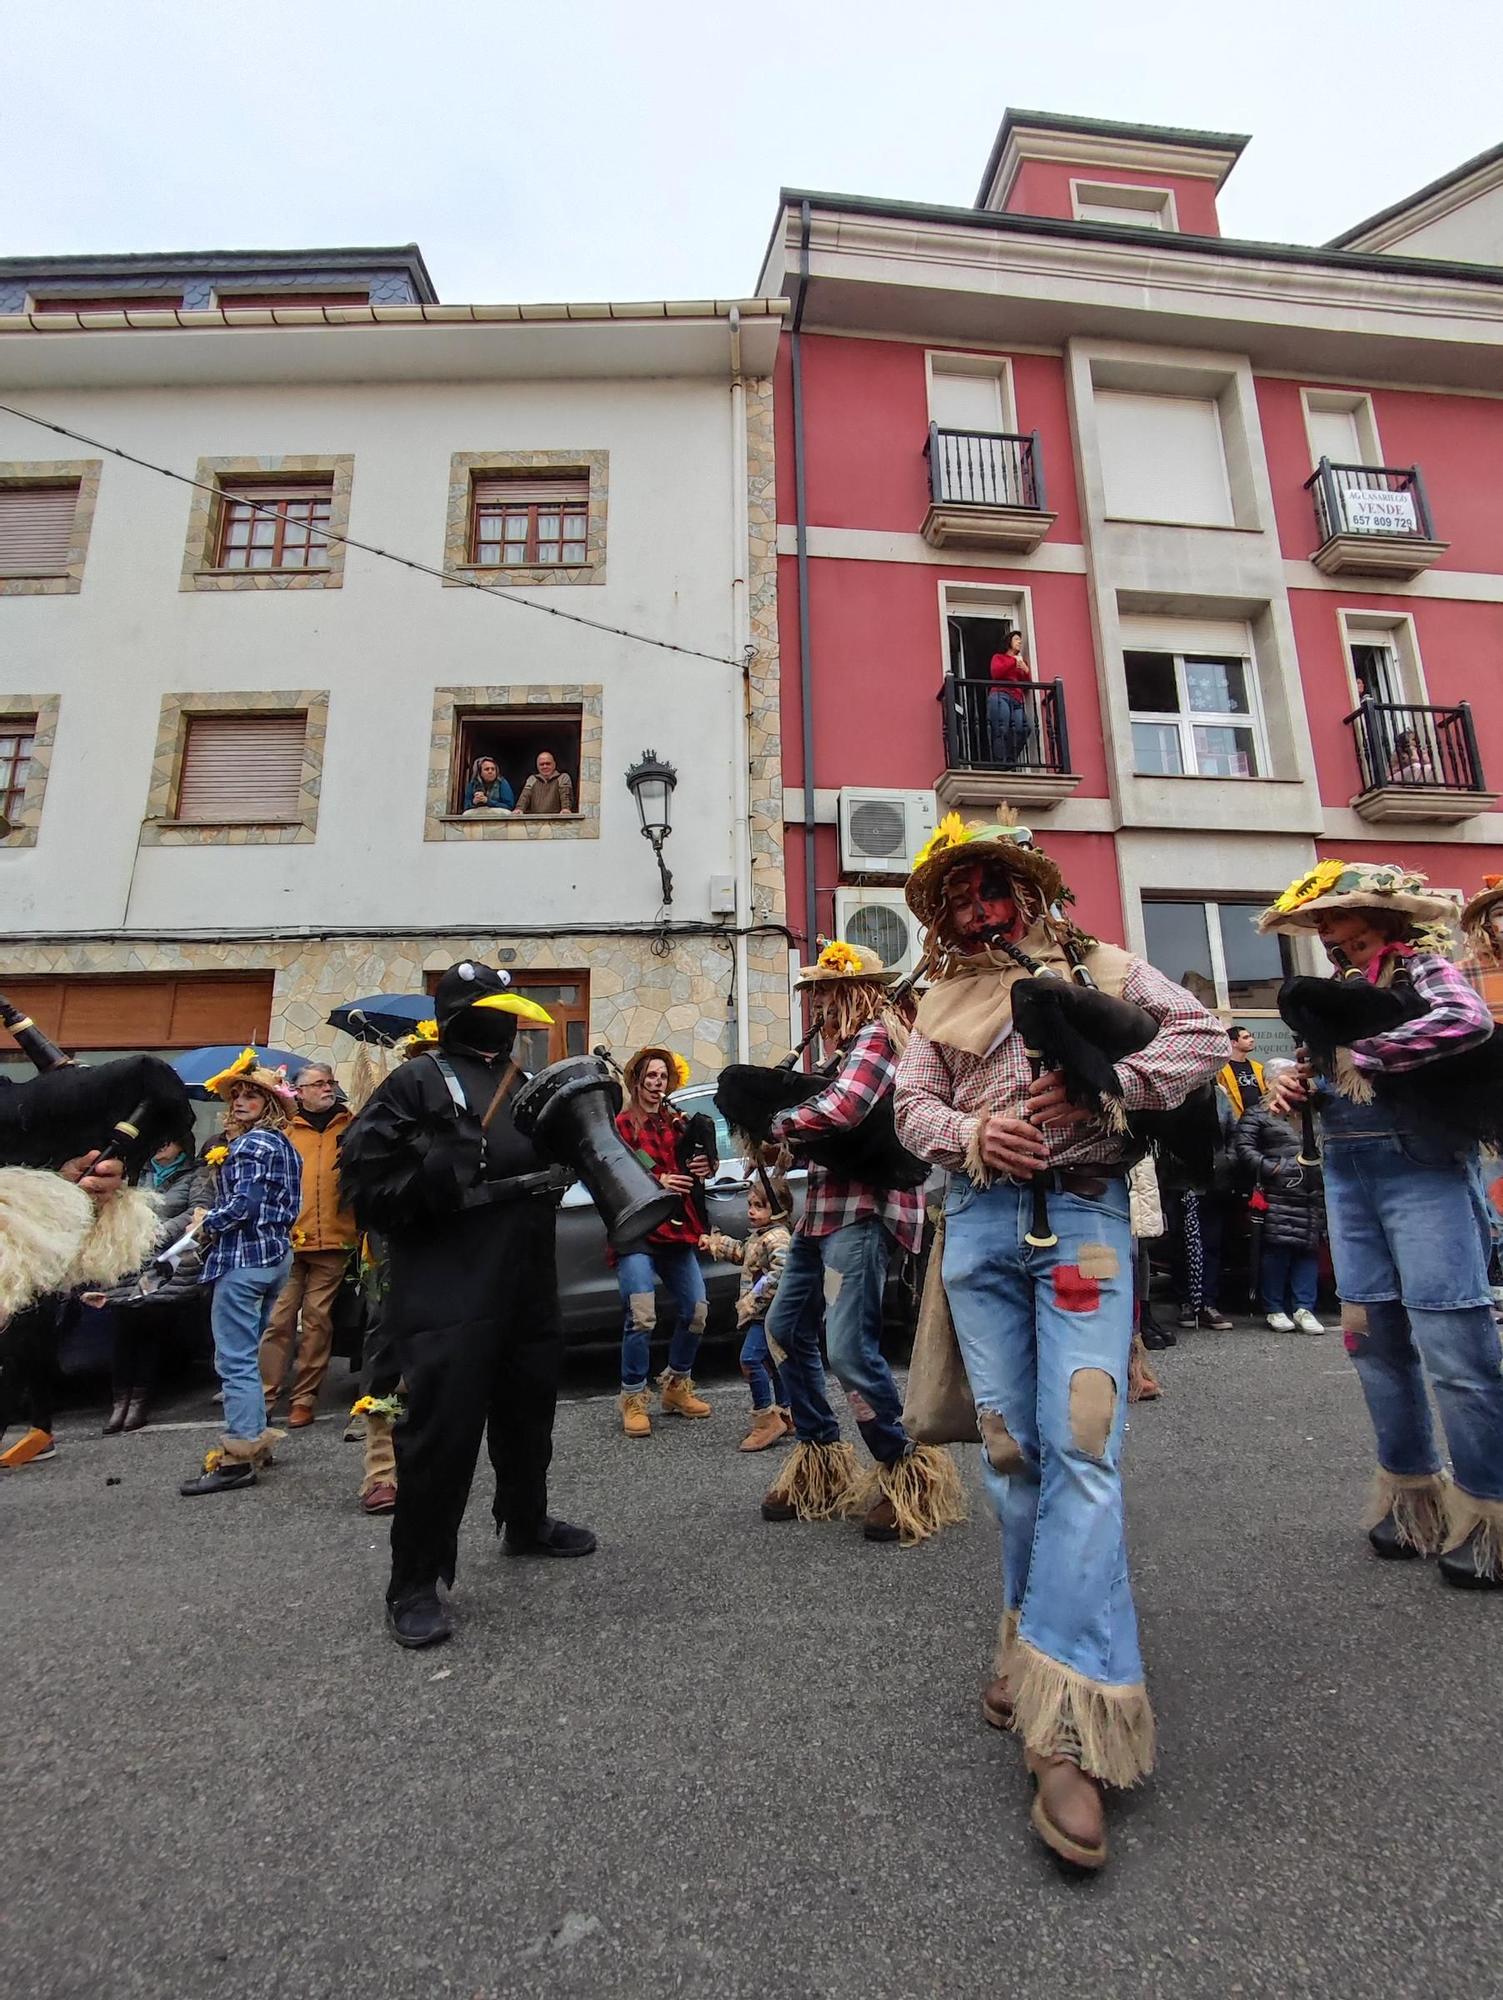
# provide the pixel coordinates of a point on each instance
(322, 1239)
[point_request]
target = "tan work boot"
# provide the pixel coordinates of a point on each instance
(1068, 1815)
(679, 1399)
(634, 1418)
(766, 1429)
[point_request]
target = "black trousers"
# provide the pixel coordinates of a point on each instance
(28, 1366)
(472, 1320)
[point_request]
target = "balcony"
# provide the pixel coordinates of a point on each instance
(986, 491)
(1417, 763)
(1373, 520)
(1038, 773)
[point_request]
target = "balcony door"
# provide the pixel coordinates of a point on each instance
(969, 398)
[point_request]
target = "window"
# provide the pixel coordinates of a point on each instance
(1163, 458)
(110, 302)
(969, 393)
(526, 523)
(1384, 657)
(513, 738)
(242, 769)
(566, 995)
(1215, 950)
(36, 527)
(274, 527)
(225, 300)
(1121, 202)
(1193, 715)
(1340, 426)
(17, 735)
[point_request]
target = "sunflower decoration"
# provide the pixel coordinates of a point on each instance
(390, 1407)
(952, 831)
(1318, 881)
(244, 1063)
(216, 1156)
(838, 956)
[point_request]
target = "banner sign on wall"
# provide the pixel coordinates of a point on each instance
(1379, 513)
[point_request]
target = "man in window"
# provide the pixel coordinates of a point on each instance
(548, 790)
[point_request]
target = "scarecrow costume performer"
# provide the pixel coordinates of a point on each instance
(1405, 1206)
(837, 1269)
(1044, 1330)
(467, 1209)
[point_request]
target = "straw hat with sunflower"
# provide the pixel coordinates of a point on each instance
(841, 963)
(1360, 885)
(957, 843)
(1479, 915)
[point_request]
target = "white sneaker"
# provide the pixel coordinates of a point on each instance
(1306, 1321)
(1280, 1323)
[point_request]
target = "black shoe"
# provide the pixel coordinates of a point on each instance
(223, 1479)
(1188, 1318)
(418, 1620)
(551, 1538)
(116, 1420)
(1459, 1565)
(1156, 1336)
(1385, 1540)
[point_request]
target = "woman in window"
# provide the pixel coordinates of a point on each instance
(486, 790)
(1007, 718)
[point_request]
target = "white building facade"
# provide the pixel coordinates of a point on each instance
(239, 746)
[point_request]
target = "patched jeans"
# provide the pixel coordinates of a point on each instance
(1045, 1336)
(638, 1273)
(1409, 1242)
(840, 1277)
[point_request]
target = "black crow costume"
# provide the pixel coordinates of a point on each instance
(467, 1208)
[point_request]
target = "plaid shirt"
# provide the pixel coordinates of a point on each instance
(1458, 1019)
(655, 1143)
(867, 1071)
(945, 1094)
(260, 1193)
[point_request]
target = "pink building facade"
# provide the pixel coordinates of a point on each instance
(1241, 500)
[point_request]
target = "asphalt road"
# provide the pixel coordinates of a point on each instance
(721, 1758)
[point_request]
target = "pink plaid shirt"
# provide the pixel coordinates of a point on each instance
(944, 1094)
(867, 1069)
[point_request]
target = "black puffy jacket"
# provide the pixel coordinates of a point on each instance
(1268, 1150)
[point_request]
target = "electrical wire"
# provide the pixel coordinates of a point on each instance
(387, 555)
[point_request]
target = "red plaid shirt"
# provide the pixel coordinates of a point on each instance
(868, 1069)
(655, 1143)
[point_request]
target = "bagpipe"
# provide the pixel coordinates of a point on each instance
(751, 1095)
(125, 1109)
(1458, 1094)
(568, 1111)
(1071, 1026)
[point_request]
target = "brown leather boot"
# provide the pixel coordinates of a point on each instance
(996, 1703)
(766, 1428)
(1068, 1815)
(881, 1522)
(115, 1422)
(678, 1397)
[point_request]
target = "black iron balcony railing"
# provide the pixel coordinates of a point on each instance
(1384, 500)
(985, 469)
(1411, 747)
(1027, 734)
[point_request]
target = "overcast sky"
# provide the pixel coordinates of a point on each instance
(592, 149)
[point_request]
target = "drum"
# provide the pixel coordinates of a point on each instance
(568, 1111)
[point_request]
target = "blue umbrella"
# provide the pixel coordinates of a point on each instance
(196, 1066)
(383, 1017)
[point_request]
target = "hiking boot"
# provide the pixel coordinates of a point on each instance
(634, 1418)
(1068, 1815)
(767, 1428)
(678, 1397)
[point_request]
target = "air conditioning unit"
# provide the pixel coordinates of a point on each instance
(883, 922)
(881, 830)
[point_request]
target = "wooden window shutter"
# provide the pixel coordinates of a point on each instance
(532, 492)
(242, 767)
(146, 1011)
(36, 529)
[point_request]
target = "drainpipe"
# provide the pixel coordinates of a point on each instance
(801, 531)
(745, 651)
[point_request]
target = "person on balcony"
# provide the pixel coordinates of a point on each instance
(548, 790)
(485, 788)
(1409, 765)
(1007, 719)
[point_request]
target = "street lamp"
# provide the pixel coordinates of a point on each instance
(650, 782)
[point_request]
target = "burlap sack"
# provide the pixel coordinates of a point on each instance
(939, 1408)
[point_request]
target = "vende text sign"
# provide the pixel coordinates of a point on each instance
(1370, 513)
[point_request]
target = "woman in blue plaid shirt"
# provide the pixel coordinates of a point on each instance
(249, 1237)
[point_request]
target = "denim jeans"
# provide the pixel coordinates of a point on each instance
(1038, 1331)
(1007, 726)
(243, 1299)
(1409, 1241)
(840, 1276)
(639, 1273)
(759, 1368)
(1287, 1280)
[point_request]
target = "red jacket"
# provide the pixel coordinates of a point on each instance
(1011, 668)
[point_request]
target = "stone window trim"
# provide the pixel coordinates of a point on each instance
(465, 465)
(45, 707)
(161, 829)
(85, 473)
(449, 707)
(199, 568)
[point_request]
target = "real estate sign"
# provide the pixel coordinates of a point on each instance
(1379, 513)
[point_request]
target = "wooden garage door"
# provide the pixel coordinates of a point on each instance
(147, 1012)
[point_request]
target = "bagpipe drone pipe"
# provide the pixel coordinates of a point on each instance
(1458, 1094)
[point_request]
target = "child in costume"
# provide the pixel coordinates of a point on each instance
(761, 1257)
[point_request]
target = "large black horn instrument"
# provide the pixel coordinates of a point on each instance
(123, 1109)
(568, 1111)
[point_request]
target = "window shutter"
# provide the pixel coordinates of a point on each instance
(532, 492)
(36, 529)
(146, 1011)
(242, 767)
(1162, 458)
